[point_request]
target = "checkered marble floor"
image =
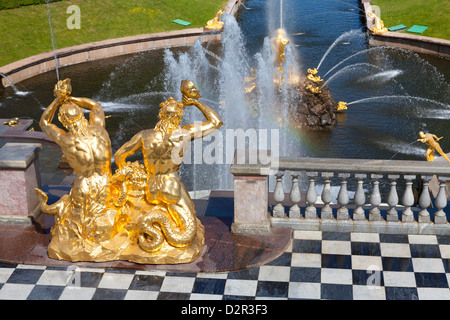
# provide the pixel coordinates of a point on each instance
(318, 265)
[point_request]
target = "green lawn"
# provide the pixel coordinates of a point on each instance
(25, 31)
(431, 13)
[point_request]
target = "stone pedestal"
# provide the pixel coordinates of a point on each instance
(251, 205)
(251, 196)
(19, 175)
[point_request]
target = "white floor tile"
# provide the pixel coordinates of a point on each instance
(308, 260)
(399, 250)
(274, 273)
(15, 291)
(116, 280)
(304, 290)
(77, 293)
(399, 279)
(369, 293)
(428, 265)
(237, 287)
(178, 284)
(336, 276)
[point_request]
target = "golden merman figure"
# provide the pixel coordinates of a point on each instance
(431, 140)
(143, 213)
(215, 23)
(311, 75)
(378, 25)
(12, 122)
(312, 89)
(278, 44)
(341, 106)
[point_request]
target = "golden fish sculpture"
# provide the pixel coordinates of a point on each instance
(143, 213)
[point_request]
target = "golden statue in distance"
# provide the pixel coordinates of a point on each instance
(431, 140)
(311, 75)
(341, 106)
(215, 23)
(12, 122)
(312, 89)
(279, 43)
(143, 213)
(378, 25)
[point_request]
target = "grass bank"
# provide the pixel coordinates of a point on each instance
(431, 13)
(25, 31)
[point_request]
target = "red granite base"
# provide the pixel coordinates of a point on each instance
(222, 252)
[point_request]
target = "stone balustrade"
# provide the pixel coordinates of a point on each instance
(387, 196)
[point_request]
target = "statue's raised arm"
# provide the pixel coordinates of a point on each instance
(213, 120)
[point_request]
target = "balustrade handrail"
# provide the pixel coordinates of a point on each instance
(341, 165)
(398, 213)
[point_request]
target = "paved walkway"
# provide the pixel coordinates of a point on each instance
(317, 265)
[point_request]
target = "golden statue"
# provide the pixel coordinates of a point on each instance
(143, 212)
(378, 25)
(341, 106)
(215, 23)
(431, 140)
(312, 89)
(279, 43)
(311, 75)
(12, 122)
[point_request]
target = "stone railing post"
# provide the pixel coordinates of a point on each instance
(441, 202)
(278, 195)
(343, 198)
(251, 195)
(375, 198)
(425, 200)
(392, 201)
(295, 197)
(327, 196)
(19, 175)
(360, 198)
(311, 197)
(408, 199)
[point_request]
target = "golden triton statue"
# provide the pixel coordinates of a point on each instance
(311, 75)
(215, 23)
(315, 90)
(143, 213)
(341, 106)
(431, 140)
(12, 122)
(378, 25)
(279, 43)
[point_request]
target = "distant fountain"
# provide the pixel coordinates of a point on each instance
(345, 70)
(343, 36)
(372, 99)
(13, 86)
(53, 39)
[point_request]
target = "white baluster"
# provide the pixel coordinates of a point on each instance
(375, 198)
(425, 200)
(392, 201)
(278, 195)
(408, 200)
(295, 196)
(311, 197)
(360, 198)
(327, 196)
(441, 202)
(343, 198)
